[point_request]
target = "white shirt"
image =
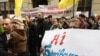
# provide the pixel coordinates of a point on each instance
(8, 36)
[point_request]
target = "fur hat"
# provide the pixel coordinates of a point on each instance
(17, 20)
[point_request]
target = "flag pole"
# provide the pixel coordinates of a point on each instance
(73, 8)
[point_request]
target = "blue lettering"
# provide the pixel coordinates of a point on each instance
(61, 52)
(46, 50)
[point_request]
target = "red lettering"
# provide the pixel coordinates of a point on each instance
(63, 37)
(55, 40)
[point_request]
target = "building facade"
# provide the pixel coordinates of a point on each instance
(84, 5)
(92, 6)
(96, 7)
(7, 7)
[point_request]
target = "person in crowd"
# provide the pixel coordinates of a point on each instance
(17, 44)
(56, 25)
(64, 21)
(41, 24)
(49, 22)
(15, 35)
(4, 37)
(32, 40)
(98, 23)
(92, 23)
(1, 27)
(97, 18)
(26, 19)
(74, 23)
(82, 18)
(36, 33)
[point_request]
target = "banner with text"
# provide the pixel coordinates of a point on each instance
(71, 42)
(51, 10)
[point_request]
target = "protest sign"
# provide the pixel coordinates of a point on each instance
(71, 42)
(50, 10)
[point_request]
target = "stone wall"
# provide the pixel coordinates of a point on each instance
(27, 4)
(96, 6)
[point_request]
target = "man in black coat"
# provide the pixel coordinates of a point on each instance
(41, 26)
(32, 40)
(4, 37)
(36, 33)
(3, 46)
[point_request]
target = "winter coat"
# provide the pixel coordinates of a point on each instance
(18, 41)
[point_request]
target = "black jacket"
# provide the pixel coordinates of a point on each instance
(3, 45)
(41, 25)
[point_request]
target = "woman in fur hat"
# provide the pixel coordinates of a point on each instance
(17, 44)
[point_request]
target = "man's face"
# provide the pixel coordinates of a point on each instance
(40, 15)
(75, 24)
(15, 25)
(7, 25)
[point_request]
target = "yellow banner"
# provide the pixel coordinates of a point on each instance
(64, 4)
(18, 6)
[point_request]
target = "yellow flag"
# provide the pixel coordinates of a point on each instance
(18, 3)
(17, 12)
(66, 3)
(18, 6)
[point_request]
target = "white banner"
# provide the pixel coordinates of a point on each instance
(51, 10)
(71, 42)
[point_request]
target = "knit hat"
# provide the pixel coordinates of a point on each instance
(17, 20)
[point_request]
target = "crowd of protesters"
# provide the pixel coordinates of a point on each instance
(23, 37)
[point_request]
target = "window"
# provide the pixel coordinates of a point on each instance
(2, 6)
(84, 5)
(11, 4)
(36, 3)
